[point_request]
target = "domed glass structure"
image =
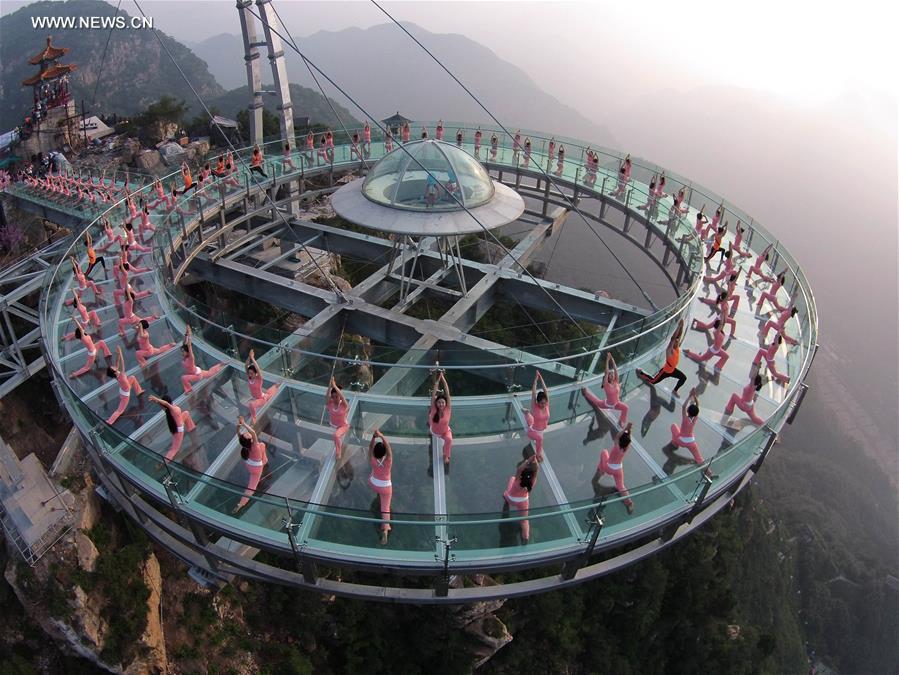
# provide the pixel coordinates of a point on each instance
(401, 179)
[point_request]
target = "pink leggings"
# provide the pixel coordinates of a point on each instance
(144, 354)
(447, 443)
(255, 476)
(188, 380)
(597, 402)
(769, 296)
(385, 494)
(256, 403)
(617, 474)
(722, 355)
(339, 433)
(91, 358)
(535, 435)
(692, 447)
(123, 400)
(779, 330)
(178, 436)
(745, 407)
(521, 507)
(772, 365)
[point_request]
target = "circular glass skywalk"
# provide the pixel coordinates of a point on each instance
(428, 175)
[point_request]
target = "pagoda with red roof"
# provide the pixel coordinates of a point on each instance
(51, 124)
(51, 84)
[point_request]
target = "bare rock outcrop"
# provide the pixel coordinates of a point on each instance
(154, 659)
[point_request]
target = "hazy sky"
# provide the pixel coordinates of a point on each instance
(589, 52)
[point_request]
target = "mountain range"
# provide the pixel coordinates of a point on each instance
(382, 69)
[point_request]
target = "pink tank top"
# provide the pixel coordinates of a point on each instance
(442, 426)
(686, 426)
(337, 412)
(748, 393)
(188, 364)
(124, 382)
(82, 310)
(88, 343)
(541, 417)
(128, 308)
(143, 341)
(613, 390)
(380, 468)
(255, 384)
(366, 134)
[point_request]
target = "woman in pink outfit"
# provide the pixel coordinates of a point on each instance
(778, 324)
(611, 385)
(380, 458)
(252, 451)
(746, 400)
(527, 152)
(757, 265)
(132, 240)
(258, 397)
(355, 147)
(128, 316)
(769, 353)
(438, 131)
(771, 294)
(478, 135)
(83, 282)
(611, 462)
(518, 492)
(723, 307)
(407, 132)
(146, 225)
(439, 416)
(192, 372)
(126, 384)
(735, 245)
(560, 164)
(729, 268)
(322, 155)
(683, 436)
(87, 316)
(338, 409)
(309, 152)
(178, 420)
(388, 141)
(287, 160)
(366, 139)
(538, 417)
(145, 348)
(715, 349)
(90, 346)
(551, 151)
(494, 146)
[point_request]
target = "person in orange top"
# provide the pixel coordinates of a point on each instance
(669, 368)
(256, 162)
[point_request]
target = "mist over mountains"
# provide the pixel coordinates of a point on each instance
(386, 72)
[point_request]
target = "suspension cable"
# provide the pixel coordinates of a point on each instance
(324, 274)
(428, 172)
(103, 58)
(292, 44)
(506, 131)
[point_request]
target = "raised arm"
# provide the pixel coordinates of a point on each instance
(241, 424)
(691, 397)
(164, 404)
(446, 389)
(610, 363)
(120, 360)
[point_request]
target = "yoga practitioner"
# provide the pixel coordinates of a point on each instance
(388, 141)
(258, 397)
(286, 159)
(560, 164)
(256, 161)
(551, 151)
(527, 152)
(366, 139)
(132, 240)
(126, 384)
(380, 458)
(128, 315)
(145, 348)
(459, 138)
(439, 416)
(669, 368)
(746, 400)
(771, 295)
(92, 257)
(87, 316)
(769, 353)
(309, 152)
(355, 147)
(90, 346)
(478, 135)
(322, 150)
(439, 130)
(715, 247)
(715, 349)
(683, 436)
(192, 372)
(538, 417)
(611, 384)
(407, 132)
(723, 308)
(252, 451)
(738, 239)
(178, 420)
(778, 324)
(494, 146)
(83, 282)
(757, 265)
(338, 409)
(518, 492)
(611, 462)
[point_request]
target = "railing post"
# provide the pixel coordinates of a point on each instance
(594, 527)
(704, 490)
(304, 566)
(442, 588)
